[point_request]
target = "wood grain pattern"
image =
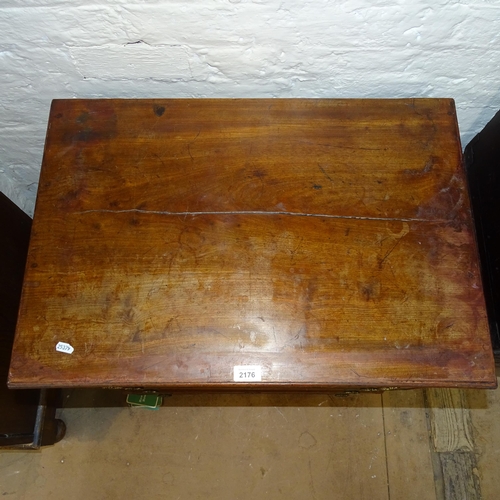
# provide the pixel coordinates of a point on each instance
(329, 241)
(454, 450)
(460, 476)
(450, 419)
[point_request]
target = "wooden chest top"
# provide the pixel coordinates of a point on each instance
(329, 243)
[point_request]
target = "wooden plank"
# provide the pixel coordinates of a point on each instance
(450, 420)
(453, 443)
(361, 158)
(485, 410)
(271, 301)
(460, 476)
(409, 462)
(327, 241)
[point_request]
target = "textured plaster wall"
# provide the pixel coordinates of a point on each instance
(235, 48)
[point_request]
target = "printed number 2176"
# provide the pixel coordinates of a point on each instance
(247, 373)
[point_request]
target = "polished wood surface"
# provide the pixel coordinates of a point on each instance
(328, 241)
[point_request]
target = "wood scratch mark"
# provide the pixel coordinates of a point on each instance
(400, 236)
(381, 263)
(294, 251)
(313, 489)
(160, 159)
(281, 413)
(191, 143)
(325, 174)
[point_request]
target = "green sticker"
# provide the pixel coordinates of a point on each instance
(151, 401)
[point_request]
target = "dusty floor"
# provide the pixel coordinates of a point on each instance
(295, 446)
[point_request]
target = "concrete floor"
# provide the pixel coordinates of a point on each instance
(229, 447)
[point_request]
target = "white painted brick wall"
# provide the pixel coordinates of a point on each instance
(236, 48)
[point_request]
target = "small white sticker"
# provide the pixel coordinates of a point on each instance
(247, 373)
(63, 347)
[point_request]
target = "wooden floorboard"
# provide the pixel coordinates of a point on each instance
(407, 443)
(460, 478)
(485, 414)
(450, 419)
(453, 443)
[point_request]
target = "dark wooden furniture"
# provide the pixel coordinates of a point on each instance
(482, 161)
(27, 417)
(311, 244)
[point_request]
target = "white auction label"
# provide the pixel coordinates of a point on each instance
(247, 373)
(64, 347)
